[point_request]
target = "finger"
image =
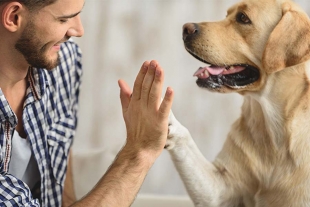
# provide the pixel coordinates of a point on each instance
(136, 94)
(156, 88)
(125, 94)
(148, 81)
(166, 104)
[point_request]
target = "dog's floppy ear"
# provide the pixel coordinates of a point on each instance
(289, 42)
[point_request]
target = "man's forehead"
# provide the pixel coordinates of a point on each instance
(65, 7)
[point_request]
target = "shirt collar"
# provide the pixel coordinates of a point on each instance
(37, 83)
(6, 113)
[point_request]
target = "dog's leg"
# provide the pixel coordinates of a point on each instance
(204, 182)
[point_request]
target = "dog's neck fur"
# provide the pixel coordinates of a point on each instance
(274, 109)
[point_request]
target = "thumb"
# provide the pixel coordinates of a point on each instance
(125, 94)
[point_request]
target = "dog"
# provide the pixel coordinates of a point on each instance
(261, 50)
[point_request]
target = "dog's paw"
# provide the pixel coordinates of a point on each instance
(177, 133)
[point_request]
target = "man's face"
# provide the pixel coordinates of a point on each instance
(52, 25)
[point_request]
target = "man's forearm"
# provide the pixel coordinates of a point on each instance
(121, 183)
(68, 197)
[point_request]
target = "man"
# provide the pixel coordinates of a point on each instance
(40, 71)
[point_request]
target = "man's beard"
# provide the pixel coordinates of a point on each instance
(33, 51)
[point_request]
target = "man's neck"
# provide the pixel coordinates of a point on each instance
(13, 76)
(13, 68)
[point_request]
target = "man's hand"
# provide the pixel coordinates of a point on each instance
(146, 117)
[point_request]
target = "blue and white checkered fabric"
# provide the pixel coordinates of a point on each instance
(50, 120)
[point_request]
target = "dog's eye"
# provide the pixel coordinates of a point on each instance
(242, 18)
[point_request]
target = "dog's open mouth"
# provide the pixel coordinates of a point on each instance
(233, 76)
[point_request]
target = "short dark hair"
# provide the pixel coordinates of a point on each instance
(32, 5)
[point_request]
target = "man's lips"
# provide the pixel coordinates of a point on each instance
(56, 47)
(58, 44)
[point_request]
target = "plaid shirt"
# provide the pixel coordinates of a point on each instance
(50, 119)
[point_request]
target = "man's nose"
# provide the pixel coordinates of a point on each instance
(77, 29)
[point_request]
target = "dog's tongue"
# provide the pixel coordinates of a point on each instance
(213, 70)
(204, 72)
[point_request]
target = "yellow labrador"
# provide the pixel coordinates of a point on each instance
(262, 51)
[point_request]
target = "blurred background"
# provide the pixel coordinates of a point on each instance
(119, 36)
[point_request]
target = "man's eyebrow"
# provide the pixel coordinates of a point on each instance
(69, 16)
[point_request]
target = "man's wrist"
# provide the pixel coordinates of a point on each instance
(143, 157)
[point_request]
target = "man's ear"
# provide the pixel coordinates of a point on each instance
(11, 16)
(289, 42)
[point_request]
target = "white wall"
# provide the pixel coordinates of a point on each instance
(119, 36)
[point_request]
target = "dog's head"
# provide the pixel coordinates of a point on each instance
(256, 39)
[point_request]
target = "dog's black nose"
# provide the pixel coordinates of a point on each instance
(189, 30)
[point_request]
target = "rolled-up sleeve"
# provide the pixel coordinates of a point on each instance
(13, 192)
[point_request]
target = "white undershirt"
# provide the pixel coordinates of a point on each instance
(23, 164)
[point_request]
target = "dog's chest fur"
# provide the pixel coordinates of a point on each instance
(273, 138)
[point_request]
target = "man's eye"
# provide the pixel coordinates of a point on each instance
(243, 18)
(63, 20)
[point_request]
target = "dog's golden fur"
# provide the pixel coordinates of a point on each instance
(265, 161)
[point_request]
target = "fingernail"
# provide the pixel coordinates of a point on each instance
(153, 65)
(145, 67)
(169, 91)
(158, 72)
